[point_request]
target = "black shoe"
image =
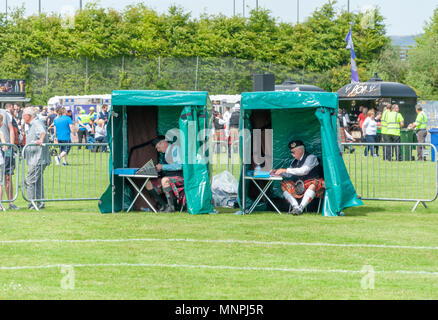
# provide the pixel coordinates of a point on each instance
(13, 207)
(171, 200)
(169, 208)
(158, 199)
(41, 205)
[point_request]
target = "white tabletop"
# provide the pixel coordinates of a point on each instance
(136, 176)
(273, 178)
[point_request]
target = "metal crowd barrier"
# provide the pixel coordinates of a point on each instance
(235, 159)
(9, 161)
(393, 172)
(219, 156)
(225, 156)
(85, 175)
(376, 177)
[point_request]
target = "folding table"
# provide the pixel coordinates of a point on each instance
(263, 191)
(139, 191)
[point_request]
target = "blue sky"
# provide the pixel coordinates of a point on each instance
(402, 17)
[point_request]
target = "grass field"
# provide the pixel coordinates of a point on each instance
(71, 251)
(219, 256)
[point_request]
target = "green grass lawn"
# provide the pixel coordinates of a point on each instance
(262, 260)
(142, 255)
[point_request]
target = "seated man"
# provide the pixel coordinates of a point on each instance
(171, 182)
(304, 178)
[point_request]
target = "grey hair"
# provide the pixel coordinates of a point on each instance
(30, 111)
(419, 107)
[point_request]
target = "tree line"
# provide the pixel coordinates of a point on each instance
(315, 46)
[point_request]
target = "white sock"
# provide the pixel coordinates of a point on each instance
(308, 196)
(290, 199)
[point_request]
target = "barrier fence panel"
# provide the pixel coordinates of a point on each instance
(224, 156)
(9, 177)
(83, 174)
(235, 159)
(219, 156)
(393, 172)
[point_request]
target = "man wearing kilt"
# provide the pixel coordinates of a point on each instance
(303, 179)
(171, 181)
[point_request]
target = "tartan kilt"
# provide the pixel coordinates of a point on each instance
(177, 185)
(289, 186)
(234, 135)
(219, 135)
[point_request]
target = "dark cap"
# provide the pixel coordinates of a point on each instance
(157, 140)
(295, 143)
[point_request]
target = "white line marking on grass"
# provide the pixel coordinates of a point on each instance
(229, 241)
(159, 265)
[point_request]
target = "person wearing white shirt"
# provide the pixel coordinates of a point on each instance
(226, 117)
(304, 178)
(369, 130)
(100, 134)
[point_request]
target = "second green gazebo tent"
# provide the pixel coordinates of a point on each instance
(308, 116)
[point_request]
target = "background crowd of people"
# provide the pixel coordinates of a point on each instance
(226, 128)
(373, 126)
(39, 125)
(86, 128)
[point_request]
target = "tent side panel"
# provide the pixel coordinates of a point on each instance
(117, 154)
(195, 169)
(340, 192)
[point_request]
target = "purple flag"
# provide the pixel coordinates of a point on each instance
(354, 74)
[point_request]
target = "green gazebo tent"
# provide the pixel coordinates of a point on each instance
(137, 117)
(308, 116)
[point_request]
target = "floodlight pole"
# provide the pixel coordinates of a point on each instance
(257, 5)
(243, 8)
(80, 5)
(348, 6)
(39, 7)
(234, 8)
(298, 11)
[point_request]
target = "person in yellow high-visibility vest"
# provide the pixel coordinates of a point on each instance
(395, 122)
(83, 119)
(384, 125)
(420, 125)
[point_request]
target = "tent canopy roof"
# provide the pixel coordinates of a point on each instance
(288, 100)
(158, 98)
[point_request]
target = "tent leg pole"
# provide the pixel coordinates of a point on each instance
(243, 165)
(112, 163)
